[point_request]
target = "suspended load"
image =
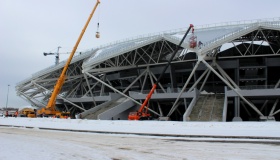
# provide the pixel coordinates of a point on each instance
(193, 40)
(97, 35)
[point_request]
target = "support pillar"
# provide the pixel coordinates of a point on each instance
(173, 78)
(236, 110)
(185, 103)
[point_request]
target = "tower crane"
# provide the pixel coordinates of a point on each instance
(50, 108)
(57, 54)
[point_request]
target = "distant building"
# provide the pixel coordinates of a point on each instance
(11, 111)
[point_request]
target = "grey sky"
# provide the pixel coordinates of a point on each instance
(30, 27)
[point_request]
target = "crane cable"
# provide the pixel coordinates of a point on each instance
(97, 35)
(98, 18)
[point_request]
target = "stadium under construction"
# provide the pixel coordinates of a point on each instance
(231, 75)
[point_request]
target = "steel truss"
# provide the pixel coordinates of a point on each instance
(137, 69)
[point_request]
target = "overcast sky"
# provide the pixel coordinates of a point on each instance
(30, 27)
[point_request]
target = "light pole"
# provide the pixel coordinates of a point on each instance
(7, 96)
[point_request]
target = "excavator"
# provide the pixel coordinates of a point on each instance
(142, 113)
(50, 109)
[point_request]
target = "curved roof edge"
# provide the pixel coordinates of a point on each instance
(207, 46)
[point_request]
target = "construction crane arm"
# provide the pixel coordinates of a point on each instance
(141, 113)
(51, 104)
(45, 54)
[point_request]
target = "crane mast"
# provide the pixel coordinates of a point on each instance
(56, 55)
(50, 108)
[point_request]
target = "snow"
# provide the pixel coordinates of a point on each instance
(35, 142)
(263, 129)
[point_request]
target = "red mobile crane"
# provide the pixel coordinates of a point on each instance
(142, 112)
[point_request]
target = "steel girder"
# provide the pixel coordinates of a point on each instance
(81, 82)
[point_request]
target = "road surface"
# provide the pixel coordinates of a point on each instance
(23, 143)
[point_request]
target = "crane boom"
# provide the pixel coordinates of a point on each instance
(141, 114)
(50, 108)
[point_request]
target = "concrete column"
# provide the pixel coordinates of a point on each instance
(265, 70)
(237, 74)
(236, 109)
(186, 103)
(173, 77)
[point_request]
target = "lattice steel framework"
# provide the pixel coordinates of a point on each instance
(133, 65)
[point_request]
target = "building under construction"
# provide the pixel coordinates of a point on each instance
(231, 75)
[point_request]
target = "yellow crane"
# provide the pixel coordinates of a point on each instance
(50, 109)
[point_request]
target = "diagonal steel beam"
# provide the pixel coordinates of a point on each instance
(59, 96)
(268, 43)
(160, 51)
(153, 51)
(275, 112)
(125, 59)
(31, 99)
(160, 110)
(273, 108)
(109, 86)
(206, 78)
(199, 79)
(127, 88)
(242, 103)
(174, 108)
(148, 56)
(235, 90)
(144, 82)
(266, 101)
(90, 90)
(237, 48)
(252, 43)
(226, 75)
(119, 92)
(158, 82)
(184, 87)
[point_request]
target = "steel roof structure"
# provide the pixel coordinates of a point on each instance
(235, 63)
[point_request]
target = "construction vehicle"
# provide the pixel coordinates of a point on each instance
(27, 112)
(142, 113)
(50, 109)
(31, 114)
(63, 115)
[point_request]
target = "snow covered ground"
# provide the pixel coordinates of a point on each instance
(262, 129)
(35, 143)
